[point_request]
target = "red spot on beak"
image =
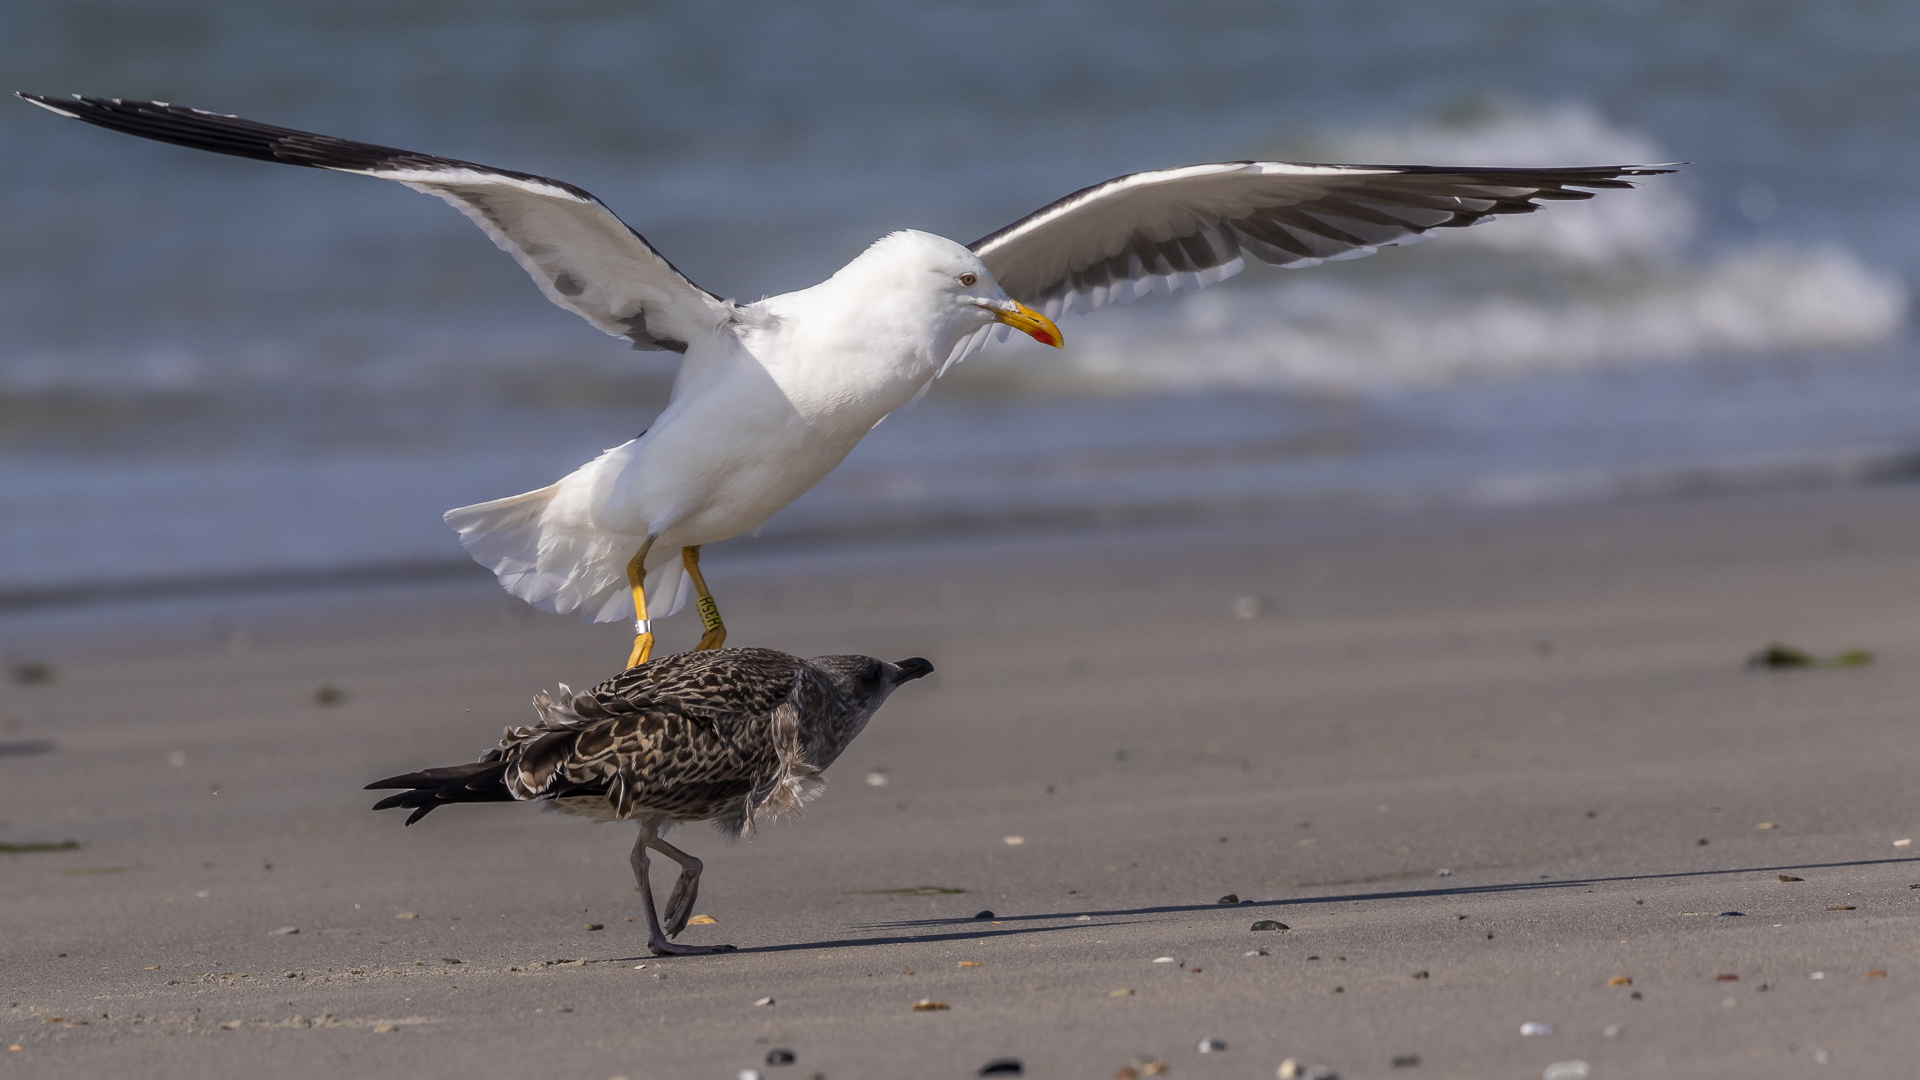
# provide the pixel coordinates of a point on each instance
(1043, 337)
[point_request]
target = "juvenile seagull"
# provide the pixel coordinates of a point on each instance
(724, 736)
(773, 394)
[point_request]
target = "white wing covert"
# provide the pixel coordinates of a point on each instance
(582, 256)
(1161, 231)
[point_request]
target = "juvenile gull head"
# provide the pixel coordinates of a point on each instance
(725, 736)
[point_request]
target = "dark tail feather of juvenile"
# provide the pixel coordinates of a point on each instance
(482, 781)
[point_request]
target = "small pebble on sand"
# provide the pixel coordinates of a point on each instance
(1566, 1070)
(1534, 1027)
(1212, 1046)
(283, 931)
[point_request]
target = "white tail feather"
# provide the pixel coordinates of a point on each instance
(545, 551)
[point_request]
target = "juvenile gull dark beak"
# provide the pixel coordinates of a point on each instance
(911, 669)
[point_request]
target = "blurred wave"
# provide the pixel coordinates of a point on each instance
(1616, 281)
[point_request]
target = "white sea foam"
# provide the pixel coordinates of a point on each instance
(1612, 282)
(1375, 335)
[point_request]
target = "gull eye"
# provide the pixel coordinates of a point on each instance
(969, 280)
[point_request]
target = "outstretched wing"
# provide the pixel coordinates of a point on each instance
(583, 257)
(1186, 228)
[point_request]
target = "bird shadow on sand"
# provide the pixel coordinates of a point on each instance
(986, 930)
(979, 929)
(1349, 898)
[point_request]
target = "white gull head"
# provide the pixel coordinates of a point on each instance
(925, 289)
(868, 339)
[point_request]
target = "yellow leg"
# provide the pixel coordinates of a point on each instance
(716, 634)
(642, 630)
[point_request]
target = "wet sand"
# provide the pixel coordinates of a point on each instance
(1483, 766)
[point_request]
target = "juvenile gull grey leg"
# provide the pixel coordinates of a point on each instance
(656, 940)
(685, 891)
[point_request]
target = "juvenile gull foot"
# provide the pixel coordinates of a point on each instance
(657, 941)
(685, 890)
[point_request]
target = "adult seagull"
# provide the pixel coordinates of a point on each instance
(772, 395)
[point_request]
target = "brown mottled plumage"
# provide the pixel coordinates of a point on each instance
(719, 736)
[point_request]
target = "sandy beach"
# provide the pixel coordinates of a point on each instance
(1490, 769)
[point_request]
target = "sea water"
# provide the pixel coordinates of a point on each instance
(214, 367)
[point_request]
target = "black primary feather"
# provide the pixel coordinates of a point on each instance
(482, 781)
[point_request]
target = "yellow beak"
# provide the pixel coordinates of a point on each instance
(1029, 322)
